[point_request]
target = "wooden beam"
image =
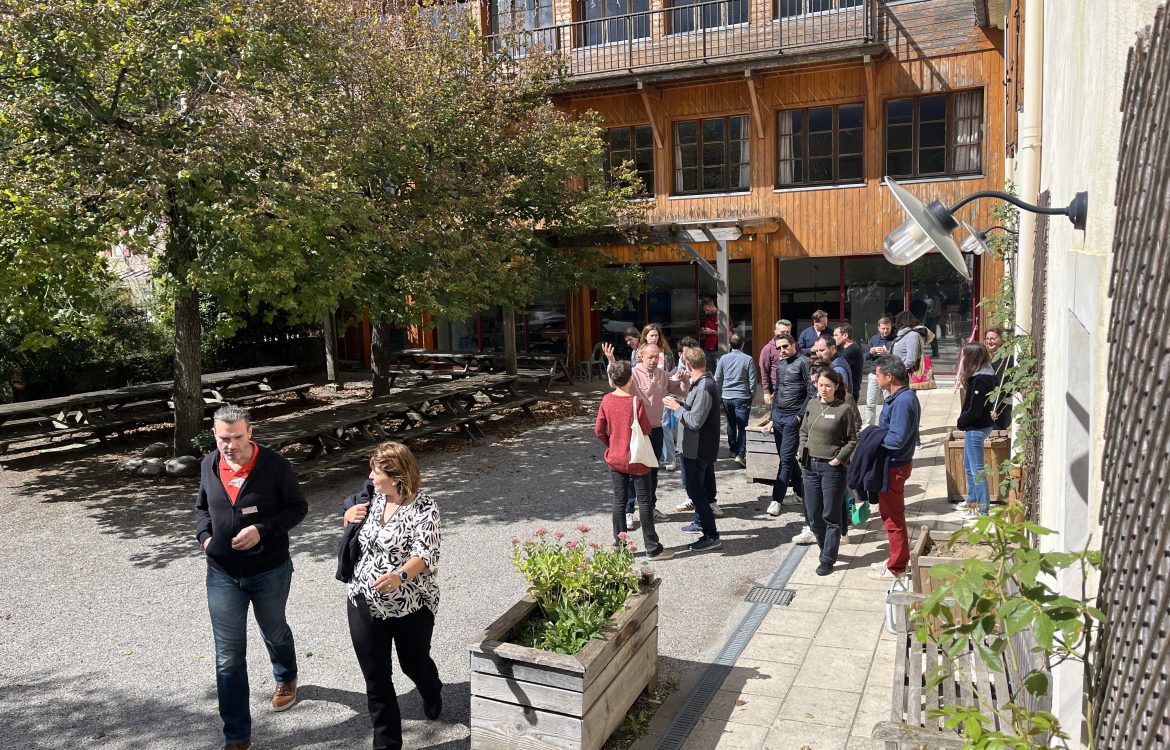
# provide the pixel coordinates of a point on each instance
(871, 92)
(650, 114)
(753, 85)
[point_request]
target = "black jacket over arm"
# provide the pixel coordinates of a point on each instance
(869, 467)
(272, 490)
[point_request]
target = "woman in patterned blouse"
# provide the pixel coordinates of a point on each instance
(394, 592)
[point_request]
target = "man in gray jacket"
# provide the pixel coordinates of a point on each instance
(736, 376)
(698, 420)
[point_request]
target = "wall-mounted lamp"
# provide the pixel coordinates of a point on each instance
(930, 226)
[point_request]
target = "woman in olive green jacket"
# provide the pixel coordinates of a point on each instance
(828, 433)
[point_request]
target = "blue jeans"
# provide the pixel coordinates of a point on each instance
(824, 503)
(699, 480)
(978, 494)
(737, 410)
(227, 601)
(656, 444)
(668, 428)
(786, 432)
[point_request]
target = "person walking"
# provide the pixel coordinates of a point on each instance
(790, 397)
(900, 419)
(393, 594)
(978, 379)
(829, 433)
(880, 344)
(736, 377)
(248, 502)
(614, 428)
(698, 419)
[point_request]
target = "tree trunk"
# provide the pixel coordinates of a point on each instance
(188, 388)
(380, 357)
(330, 332)
(510, 340)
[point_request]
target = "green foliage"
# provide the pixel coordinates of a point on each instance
(1005, 595)
(577, 585)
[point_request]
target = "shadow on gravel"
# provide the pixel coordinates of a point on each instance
(43, 713)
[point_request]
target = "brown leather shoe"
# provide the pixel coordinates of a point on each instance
(285, 696)
(245, 745)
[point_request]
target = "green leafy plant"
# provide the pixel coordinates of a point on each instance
(577, 585)
(1003, 596)
(203, 443)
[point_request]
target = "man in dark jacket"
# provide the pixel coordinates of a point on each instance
(809, 336)
(848, 348)
(790, 394)
(900, 417)
(698, 420)
(248, 501)
(880, 344)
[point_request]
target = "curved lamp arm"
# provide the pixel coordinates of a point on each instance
(1075, 211)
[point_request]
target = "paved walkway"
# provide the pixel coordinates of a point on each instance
(817, 673)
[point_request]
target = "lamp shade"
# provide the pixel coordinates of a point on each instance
(976, 242)
(927, 227)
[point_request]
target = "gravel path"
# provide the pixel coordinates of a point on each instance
(104, 635)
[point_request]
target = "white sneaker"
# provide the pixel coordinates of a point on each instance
(792, 500)
(884, 574)
(969, 514)
(672, 466)
(773, 508)
(631, 521)
(659, 515)
(684, 506)
(806, 536)
(717, 510)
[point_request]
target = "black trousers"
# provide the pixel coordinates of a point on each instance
(373, 638)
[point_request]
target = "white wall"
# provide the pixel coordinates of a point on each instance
(1086, 43)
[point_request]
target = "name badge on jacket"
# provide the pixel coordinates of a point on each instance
(830, 416)
(250, 510)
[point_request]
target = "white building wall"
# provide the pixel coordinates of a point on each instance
(1086, 44)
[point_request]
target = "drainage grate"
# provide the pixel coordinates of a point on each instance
(765, 595)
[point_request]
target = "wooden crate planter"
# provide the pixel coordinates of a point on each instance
(527, 698)
(996, 449)
(762, 460)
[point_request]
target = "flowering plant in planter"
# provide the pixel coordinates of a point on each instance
(577, 585)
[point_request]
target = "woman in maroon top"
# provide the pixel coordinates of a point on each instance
(614, 426)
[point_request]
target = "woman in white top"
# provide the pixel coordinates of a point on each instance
(394, 592)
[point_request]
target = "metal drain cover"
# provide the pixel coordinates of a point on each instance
(765, 595)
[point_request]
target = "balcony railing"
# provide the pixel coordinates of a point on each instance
(698, 33)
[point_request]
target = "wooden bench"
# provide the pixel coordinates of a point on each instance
(971, 683)
(300, 390)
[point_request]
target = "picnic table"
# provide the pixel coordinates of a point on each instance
(113, 409)
(542, 367)
(336, 434)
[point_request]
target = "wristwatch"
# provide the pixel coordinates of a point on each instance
(402, 574)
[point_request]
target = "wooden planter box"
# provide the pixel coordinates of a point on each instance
(527, 698)
(996, 449)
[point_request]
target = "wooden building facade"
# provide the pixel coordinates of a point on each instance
(779, 119)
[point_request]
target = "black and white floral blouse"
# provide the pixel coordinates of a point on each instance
(411, 532)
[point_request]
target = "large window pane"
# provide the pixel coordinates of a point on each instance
(941, 299)
(615, 322)
(670, 300)
(814, 146)
(873, 288)
(547, 332)
(807, 285)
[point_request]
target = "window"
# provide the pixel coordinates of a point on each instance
(820, 145)
(793, 8)
(939, 134)
(533, 16)
(712, 156)
(608, 21)
(634, 144)
(692, 15)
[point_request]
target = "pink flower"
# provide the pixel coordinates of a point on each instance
(582, 528)
(515, 541)
(623, 536)
(583, 566)
(571, 544)
(559, 534)
(541, 531)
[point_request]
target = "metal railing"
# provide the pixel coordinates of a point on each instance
(697, 33)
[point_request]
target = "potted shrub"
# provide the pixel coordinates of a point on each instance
(561, 668)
